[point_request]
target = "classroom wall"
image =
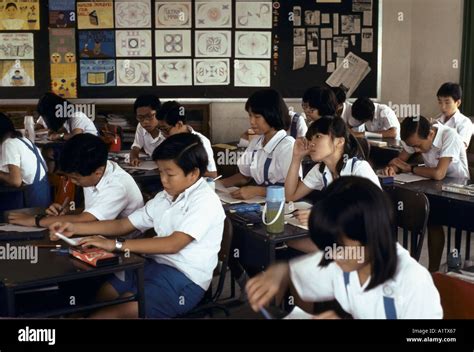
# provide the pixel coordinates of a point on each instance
(417, 57)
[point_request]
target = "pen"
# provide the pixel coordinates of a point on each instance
(218, 177)
(64, 205)
(48, 246)
(265, 313)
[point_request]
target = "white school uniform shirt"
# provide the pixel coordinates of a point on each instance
(14, 152)
(143, 139)
(346, 115)
(411, 289)
(279, 148)
(301, 127)
(196, 212)
(115, 196)
(447, 144)
(211, 166)
(461, 123)
(315, 179)
(384, 119)
(78, 120)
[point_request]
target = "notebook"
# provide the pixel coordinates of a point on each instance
(144, 165)
(408, 178)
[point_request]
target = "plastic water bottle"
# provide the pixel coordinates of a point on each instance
(273, 215)
(30, 128)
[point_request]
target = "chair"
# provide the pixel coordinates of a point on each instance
(412, 210)
(456, 296)
(209, 301)
(364, 147)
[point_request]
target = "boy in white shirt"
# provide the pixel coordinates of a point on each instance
(188, 219)
(444, 156)
(109, 191)
(148, 135)
(359, 263)
(172, 120)
(449, 100)
(375, 118)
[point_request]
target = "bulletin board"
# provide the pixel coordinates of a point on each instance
(218, 49)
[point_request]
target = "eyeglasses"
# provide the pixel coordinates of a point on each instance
(147, 118)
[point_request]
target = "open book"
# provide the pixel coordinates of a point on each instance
(290, 208)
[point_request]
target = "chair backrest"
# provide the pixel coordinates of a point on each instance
(456, 296)
(223, 258)
(364, 147)
(412, 210)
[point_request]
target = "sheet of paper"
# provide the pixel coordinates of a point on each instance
(350, 73)
(313, 38)
(313, 57)
(299, 57)
(174, 72)
(211, 72)
(96, 44)
(16, 46)
(361, 5)
(132, 14)
(17, 228)
(98, 73)
(350, 24)
(253, 45)
(213, 14)
(62, 13)
(173, 43)
(408, 178)
(134, 73)
(373, 135)
(367, 18)
(133, 43)
(299, 36)
(329, 50)
(144, 165)
(325, 18)
(296, 16)
(254, 14)
(323, 53)
(95, 14)
(335, 17)
(214, 43)
(173, 14)
(17, 73)
(367, 40)
(298, 313)
(326, 33)
(312, 18)
(24, 15)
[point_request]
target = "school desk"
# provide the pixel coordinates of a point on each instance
(456, 296)
(19, 276)
(256, 247)
(447, 209)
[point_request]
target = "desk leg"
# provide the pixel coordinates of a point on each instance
(140, 293)
(10, 303)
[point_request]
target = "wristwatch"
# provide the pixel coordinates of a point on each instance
(38, 219)
(119, 242)
(61, 136)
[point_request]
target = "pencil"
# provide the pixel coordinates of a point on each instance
(48, 245)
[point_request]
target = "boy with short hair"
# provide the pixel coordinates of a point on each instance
(375, 118)
(449, 100)
(109, 191)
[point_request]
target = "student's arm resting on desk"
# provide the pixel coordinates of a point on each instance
(29, 220)
(117, 227)
(237, 180)
(134, 156)
(394, 165)
(437, 173)
(13, 177)
(158, 245)
(390, 133)
(249, 192)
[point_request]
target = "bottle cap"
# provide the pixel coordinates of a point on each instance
(275, 194)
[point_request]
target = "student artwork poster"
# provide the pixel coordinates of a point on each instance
(95, 14)
(18, 73)
(19, 15)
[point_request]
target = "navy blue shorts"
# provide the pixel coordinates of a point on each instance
(168, 292)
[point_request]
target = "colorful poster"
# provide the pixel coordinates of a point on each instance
(173, 43)
(174, 14)
(96, 44)
(132, 14)
(62, 13)
(19, 15)
(174, 72)
(16, 46)
(256, 14)
(211, 72)
(17, 73)
(252, 73)
(62, 45)
(253, 45)
(134, 73)
(213, 14)
(97, 73)
(95, 14)
(64, 80)
(213, 43)
(133, 43)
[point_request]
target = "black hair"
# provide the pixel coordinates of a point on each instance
(172, 112)
(363, 109)
(270, 104)
(415, 125)
(321, 98)
(450, 89)
(356, 208)
(335, 127)
(341, 94)
(7, 129)
(147, 100)
(186, 150)
(11, 4)
(83, 154)
(51, 108)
